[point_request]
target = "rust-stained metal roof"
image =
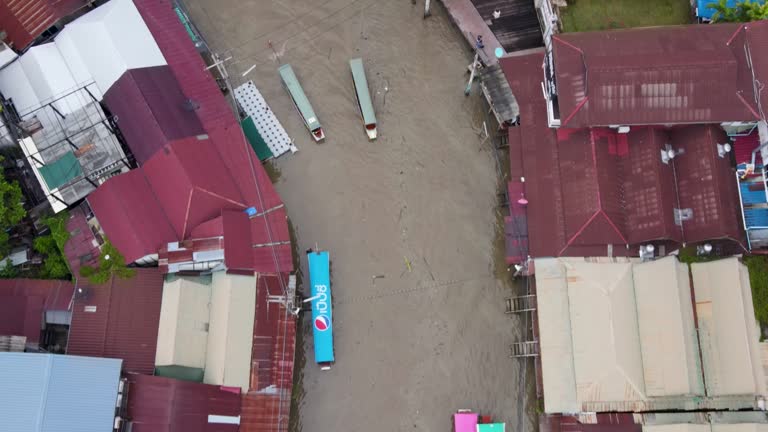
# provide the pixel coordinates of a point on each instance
(23, 303)
(119, 319)
(594, 192)
(158, 404)
(611, 422)
(648, 76)
(749, 45)
(649, 186)
(706, 185)
(82, 248)
(274, 338)
(25, 20)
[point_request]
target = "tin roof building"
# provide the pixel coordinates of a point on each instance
(618, 335)
(649, 76)
(157, 404)
(206, 324)
(597, 192)
(119, 319)
(58, 393)
(26, 305)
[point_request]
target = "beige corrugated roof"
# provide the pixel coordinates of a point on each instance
(667, 331)
(183, 334)
(595, 303)
(727, 328)
(605, 334)
(230, 339)
(555, 337)
(681, 427)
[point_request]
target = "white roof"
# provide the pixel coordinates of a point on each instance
(110, 40)
(667, 331)
(15, 85)
(727, 328)
(69, 51)
(230, 337)
(182, 338)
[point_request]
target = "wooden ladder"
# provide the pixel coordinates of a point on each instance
(524, 349)
(521, 304)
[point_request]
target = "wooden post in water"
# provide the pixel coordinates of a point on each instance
(426, 8)
(472, 73)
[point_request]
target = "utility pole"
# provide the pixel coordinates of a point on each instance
(426, 8)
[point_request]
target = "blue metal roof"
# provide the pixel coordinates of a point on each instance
(57, 393)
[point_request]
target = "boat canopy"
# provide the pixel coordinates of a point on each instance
(299, 98)
(363, 96)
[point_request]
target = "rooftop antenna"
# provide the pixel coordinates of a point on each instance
(723, 149)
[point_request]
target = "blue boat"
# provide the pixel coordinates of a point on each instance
(322, 315)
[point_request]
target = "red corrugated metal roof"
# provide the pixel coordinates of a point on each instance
(238, 249)
(186, 63)
(649, 188)
(56, 294)
(752, 39)
(24, 20)
(131, 215)
(743, 146)
(706, 185)
(23, 303)
(525, 75)
(274, 338)
(591, 188)
(611, 422)
(82, 248)
(191, 183)
(21, 316)
(158, 404)
(590, 169)
(119, 319)
(151, 110)
(658, 75)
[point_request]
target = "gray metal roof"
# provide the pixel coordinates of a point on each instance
(57, 393)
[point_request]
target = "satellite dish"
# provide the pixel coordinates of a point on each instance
(499, 52)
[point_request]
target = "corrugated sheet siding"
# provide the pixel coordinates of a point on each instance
(125, 323)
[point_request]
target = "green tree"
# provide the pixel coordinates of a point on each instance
(8, 271)
(111, 262)
(55, 266)
(11, 209)
(743, 11)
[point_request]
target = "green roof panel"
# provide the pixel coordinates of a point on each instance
(61, 171)
(254, 137)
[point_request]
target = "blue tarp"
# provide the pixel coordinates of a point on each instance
(702, 11)
(322, 316)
